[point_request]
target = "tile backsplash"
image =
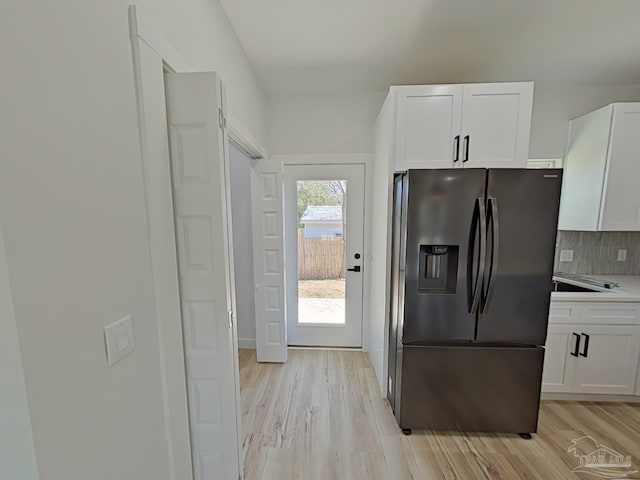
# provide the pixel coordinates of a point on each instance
(596, 253)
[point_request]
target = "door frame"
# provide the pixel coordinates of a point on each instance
(365, 159)
(163, 250)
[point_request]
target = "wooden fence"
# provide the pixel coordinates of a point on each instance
(320, 258)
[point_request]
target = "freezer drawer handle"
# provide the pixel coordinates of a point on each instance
(479, 217)
(585, 349)
(576, 347)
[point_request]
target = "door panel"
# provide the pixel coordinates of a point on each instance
(428, 120)
(268, 264)
(559, 365)
(199, 177)
(621, 208)
(324, 298)
(441, 206)
(609, 363)
(522, 235)
(495, 124)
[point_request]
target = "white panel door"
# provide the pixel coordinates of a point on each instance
(608, 362)
(324, 297)
(559, 364)
(621, 207)
(268, 260)
(496, 122)
(428, 126)
(200, 191)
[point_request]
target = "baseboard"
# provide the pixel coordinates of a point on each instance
(247, 343)
(586, 397)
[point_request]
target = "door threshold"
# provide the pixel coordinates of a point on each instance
(343, 349)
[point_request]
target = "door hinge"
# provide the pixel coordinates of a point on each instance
(231, 318)
(222, 121)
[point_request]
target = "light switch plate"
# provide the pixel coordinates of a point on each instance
(119, 339)
(622, 255)
(566, 255)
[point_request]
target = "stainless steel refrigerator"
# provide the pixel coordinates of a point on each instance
(472, 265)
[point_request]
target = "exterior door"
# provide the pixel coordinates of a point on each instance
(324, 227)
(200, 179)
(496, 121)
(428, 126)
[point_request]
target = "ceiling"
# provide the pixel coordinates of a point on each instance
(313, 46)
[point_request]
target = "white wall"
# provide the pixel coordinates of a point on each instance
(322, 123)
(17, 451)
(243, 247)
(72, 208)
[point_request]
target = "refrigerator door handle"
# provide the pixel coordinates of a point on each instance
(493, 217)
(478, 228)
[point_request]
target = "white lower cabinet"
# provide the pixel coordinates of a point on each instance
(609, 362)
(558, 368)
(587, 358)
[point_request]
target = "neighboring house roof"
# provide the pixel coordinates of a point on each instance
(322, 214)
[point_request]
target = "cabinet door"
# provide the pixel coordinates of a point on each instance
(428, 126)
(609, 362)
(621, 206)
(496, 121)
(558, 362)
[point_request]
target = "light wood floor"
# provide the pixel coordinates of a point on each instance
(320, 416)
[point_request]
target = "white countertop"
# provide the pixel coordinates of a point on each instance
(629, 291)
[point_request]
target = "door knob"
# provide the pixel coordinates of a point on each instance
(354, 269)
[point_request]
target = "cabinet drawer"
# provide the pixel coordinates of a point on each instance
(564, 312)
(611, 313)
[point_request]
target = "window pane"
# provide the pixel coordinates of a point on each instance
(321, 251)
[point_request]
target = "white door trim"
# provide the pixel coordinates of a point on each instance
(162, 248)
(17, 448)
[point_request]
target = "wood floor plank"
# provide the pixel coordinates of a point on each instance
(320, 416)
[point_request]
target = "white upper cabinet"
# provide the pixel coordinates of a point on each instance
(428, 122)
(599, 191)
(621, 199)
(472, 125)
(496, 122)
